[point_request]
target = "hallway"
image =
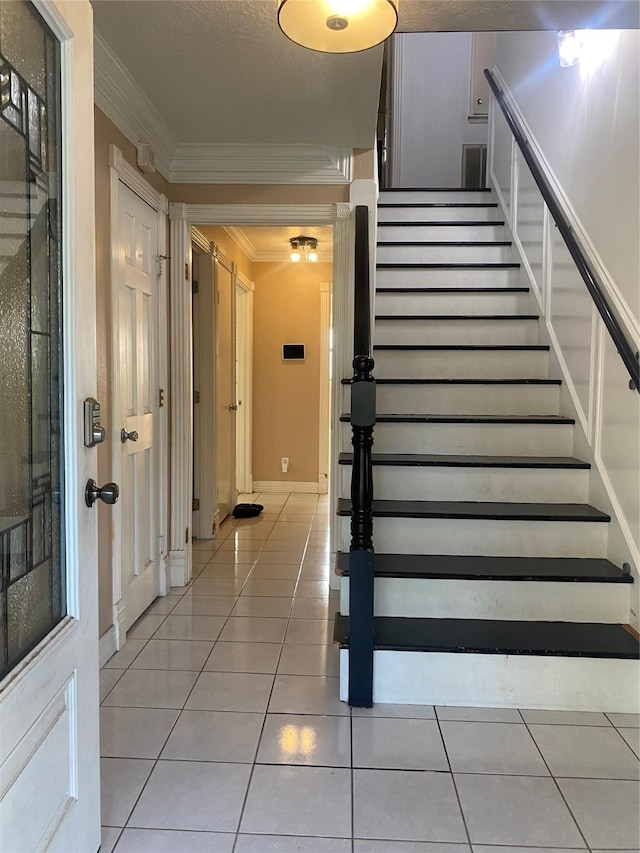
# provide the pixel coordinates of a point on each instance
(221, 730)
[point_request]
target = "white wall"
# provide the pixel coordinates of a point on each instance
(430, 108)
(586, 130)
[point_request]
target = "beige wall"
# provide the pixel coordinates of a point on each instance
(106, 133)
(286, 396)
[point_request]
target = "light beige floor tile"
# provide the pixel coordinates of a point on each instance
(478, 715)
(217, 586)
(237, 558)
(487, 848)
(306, 694)
(265, 605)
(108, 838)
(315, 571)
(312, 589)
(249, 629)
(174, 841)
(173, 654)
(231, 691)
(371, 845)
(516, 810)
(275, 571)
(134, 732)
(123, 658)
(314, 608)
(309, 740)
(299, 800)
(163, 604)
(492, 748)
(192, 795)
(190, 628)
(393, 804)
(204, 545)
(263, 586)
(121, 781)
(227, 571)
(565, 718)
(627, 721)
(381, 709)
(310, 632)
(152, 688)
(238, 545)
(291, 844)
(280, 557)
(397, 744)
(309, 660)
(288, 515)
(108, 679)
(200, 558)
(606, 811)
(243, 657)
(586, 751)
(215, 736)
(632, 737)
(205, 605)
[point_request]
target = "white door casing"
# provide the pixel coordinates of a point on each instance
(244, 384)
(49, 749)
(139, 358)
(224, 423)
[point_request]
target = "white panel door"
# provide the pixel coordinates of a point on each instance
(49, 750)
(225, 397)
(137, 340)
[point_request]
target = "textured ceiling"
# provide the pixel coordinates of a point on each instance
(221, 71)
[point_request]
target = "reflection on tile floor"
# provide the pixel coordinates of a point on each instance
(222, 731)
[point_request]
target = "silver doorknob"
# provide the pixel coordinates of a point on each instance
(128, 436)
(109, 493)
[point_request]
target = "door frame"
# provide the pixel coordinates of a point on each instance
(244, 383)
(120, 171)
(182, 217)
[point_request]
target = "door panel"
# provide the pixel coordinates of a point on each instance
(225, 392)
(49, 767)
(138, 334)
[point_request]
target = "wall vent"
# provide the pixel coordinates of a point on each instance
(474, 167)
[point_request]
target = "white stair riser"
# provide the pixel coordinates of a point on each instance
(437, 214)
(444, 254)
(508, 277)
(479, 439)
(461, 364)
(436, 196)
(438, 598)
(469, 399)
(453, 303)
(511, 681)
(479, 233)
(484, 537)
(452, 332)
(522, 485)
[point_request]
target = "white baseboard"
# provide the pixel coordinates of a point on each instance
(280, 487)
(178, 568)
(107, 646)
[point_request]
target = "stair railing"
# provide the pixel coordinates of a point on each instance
(588, 274)
(363, 416)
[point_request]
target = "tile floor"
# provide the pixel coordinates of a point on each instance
(222, 730)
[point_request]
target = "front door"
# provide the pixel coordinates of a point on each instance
(137, 342)
(49, 766)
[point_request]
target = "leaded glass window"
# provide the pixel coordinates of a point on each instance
(32, 596)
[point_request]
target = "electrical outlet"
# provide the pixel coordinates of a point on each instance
(285, 464)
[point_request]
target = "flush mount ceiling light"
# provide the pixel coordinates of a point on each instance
(303, 249)
(338, 26)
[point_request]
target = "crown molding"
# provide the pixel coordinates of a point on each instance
(241, 240)
(121, 99)
(260, 214)
(211, 163)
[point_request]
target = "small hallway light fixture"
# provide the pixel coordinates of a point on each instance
(338, 26)
(303, 249)
(587, 48)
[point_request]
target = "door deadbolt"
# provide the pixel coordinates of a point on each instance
(128, 436)
(109, 493)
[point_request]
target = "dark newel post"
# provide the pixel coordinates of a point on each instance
(363, 409)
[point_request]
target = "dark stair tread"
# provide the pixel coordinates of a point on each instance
(426, 418)
(466, 317)
(524, 381)
(434, 190)
(452, 289)
(470, 204)
(573, 569)
(434, 460)
(492, 636)
(498, 511)
(483, 223)
(466, 266)
(449, 243)
(473, 347)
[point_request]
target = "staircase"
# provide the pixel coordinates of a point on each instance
(492, 583)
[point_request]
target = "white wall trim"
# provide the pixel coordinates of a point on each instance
(265, 214)
(244, 383)
(219, 163)
(395, 107)
(122, 100)
(200, 240)
(324, 455)
(281, 486)
(107, 647)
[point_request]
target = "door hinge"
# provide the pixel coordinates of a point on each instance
(186, 272)
(195, 505)
(160, 259)
(160, 397)
(196, 396)
(195, 287)
(186, 535)
(161, 545)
